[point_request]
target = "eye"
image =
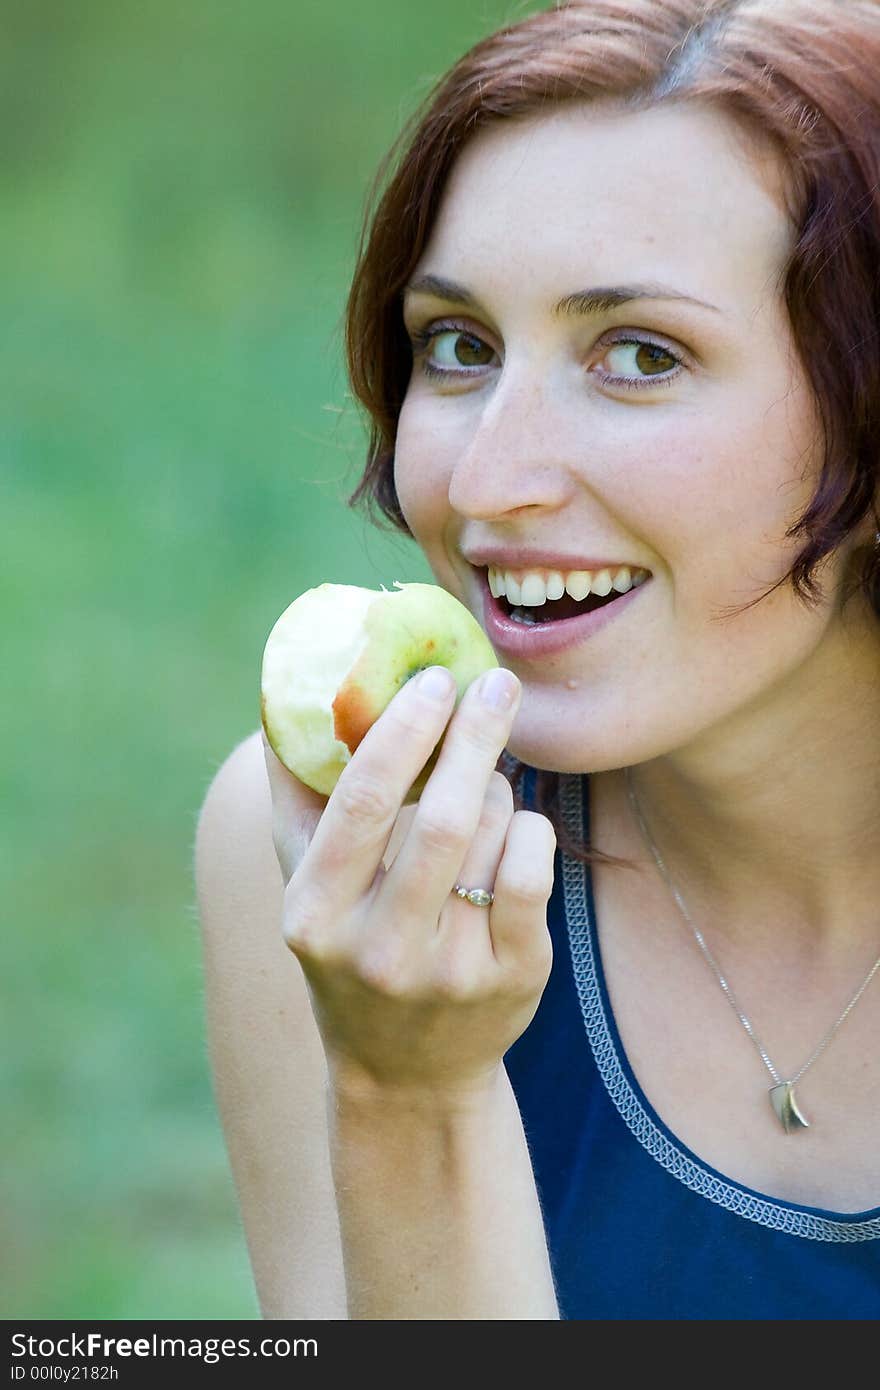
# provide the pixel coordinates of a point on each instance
(456, 350)
(649, 360)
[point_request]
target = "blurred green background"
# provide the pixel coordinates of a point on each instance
(182, 186)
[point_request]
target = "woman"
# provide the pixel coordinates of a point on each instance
(615, 315)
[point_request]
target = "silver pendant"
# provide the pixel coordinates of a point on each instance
(782, 1098)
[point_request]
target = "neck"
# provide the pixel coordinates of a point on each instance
(774, 824)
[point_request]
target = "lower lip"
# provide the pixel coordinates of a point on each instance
(534, 640)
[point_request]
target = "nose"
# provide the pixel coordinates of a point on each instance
(518, 455)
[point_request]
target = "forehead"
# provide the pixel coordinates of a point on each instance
(587, 193)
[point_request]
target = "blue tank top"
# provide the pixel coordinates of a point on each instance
(637, 1225)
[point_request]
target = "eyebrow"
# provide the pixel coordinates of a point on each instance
(591, 301)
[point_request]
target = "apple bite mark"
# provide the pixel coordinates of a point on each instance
(339, 654)
(351, 714)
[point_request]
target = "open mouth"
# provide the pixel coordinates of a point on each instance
(529, 631)
(556, 609)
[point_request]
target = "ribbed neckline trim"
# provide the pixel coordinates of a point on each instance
(640, 1117)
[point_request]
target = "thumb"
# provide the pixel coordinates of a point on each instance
(296, 810)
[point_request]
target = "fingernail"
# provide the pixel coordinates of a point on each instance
(499, 688)
(436, 683)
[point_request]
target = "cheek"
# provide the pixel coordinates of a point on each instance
(423, 466)
(718, 490)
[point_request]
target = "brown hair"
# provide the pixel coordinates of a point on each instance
(801, 75)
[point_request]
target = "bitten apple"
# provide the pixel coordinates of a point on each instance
(337, 656)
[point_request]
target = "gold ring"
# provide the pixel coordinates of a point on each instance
(479, 897)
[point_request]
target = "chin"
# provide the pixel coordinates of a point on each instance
(544, 750)
(578, 739)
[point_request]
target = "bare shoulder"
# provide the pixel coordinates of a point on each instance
(265, 1050)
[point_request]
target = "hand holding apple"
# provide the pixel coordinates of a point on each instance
(337, 656)
(415, 992)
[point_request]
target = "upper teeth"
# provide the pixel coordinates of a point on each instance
(531, 588)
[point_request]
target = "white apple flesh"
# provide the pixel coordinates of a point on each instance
(337, 656)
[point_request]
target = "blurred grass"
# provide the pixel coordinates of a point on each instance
(182, 188)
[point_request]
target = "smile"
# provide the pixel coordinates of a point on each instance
(557, 595)
(545, 617)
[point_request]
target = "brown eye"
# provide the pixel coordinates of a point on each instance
(463, 350)
(648, 358)
(447, 349)
(651, 358)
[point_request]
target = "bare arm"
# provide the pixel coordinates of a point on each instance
(265, 1051)
(438, 1208)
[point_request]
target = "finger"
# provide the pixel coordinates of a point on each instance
(387, 940)
(523, 884)
(448, 814)
(398, 834)
(296, 810)
(352, 835)
(484, 854)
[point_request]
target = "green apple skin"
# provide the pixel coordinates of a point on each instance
(339, 654)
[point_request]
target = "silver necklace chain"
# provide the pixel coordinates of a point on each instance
(731, 997)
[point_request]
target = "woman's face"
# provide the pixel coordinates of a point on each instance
(687, 452)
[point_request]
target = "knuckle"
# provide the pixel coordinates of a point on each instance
(517, 892)
(364, 800)
(415, 719)
(383, 969)
(304, 920)
(301, 940)
(454, 981)
(483, 735)
(523, 887)
(439, 825)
